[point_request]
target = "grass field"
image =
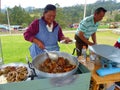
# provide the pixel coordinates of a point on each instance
(15, 48)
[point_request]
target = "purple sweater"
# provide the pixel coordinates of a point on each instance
(33, 29)
(117, 44)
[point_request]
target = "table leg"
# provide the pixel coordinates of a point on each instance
(95, 86)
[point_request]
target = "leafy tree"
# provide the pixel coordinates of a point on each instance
(60, 17)
(2, 18)
(19, 16)
(117, 17)
(65, 15)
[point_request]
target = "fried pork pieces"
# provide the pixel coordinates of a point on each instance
(56, 66)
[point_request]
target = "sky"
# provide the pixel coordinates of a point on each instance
(42, 3)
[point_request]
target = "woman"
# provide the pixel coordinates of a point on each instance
(45, 32)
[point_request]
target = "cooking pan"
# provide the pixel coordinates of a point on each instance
(42, 57)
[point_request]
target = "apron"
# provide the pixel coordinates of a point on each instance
(49, 39)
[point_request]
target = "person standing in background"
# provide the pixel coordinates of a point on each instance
(87, 28)
(44, 33)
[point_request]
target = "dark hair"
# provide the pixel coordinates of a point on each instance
(49, 7)
(98, 10)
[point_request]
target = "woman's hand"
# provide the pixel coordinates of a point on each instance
(39, 43)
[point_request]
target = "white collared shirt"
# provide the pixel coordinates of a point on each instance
(50, 28)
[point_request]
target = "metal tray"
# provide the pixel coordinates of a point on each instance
(109, 52)
(18, 65)
(13, 64)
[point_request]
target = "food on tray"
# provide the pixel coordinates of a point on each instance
(3, 79)
(70, 42)
(8, 69)
(1, 72)
(56, 66)
(14, 73)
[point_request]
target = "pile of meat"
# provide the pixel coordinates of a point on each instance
(56, 66)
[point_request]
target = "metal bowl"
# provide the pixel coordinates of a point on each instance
(109, 52)
(42, 57)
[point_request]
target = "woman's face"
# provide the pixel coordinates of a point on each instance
(50, 16)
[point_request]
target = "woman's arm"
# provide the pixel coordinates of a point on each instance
(32, 30)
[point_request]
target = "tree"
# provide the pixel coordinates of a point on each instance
(2, 18)
(65, 15)
(60, 18)
(19, 16)
(117, 17)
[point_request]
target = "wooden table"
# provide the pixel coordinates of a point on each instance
(97, 80)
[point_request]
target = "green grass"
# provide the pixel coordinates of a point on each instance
(107, 37)
(103, 26)
(15, 48)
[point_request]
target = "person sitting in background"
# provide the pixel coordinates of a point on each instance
(44, 33)
(117, 44)
(87, 28)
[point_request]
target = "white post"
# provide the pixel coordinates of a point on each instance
(84, 9)
(1, 53)
(8, 21)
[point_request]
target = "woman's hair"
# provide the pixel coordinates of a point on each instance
(49, 7)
